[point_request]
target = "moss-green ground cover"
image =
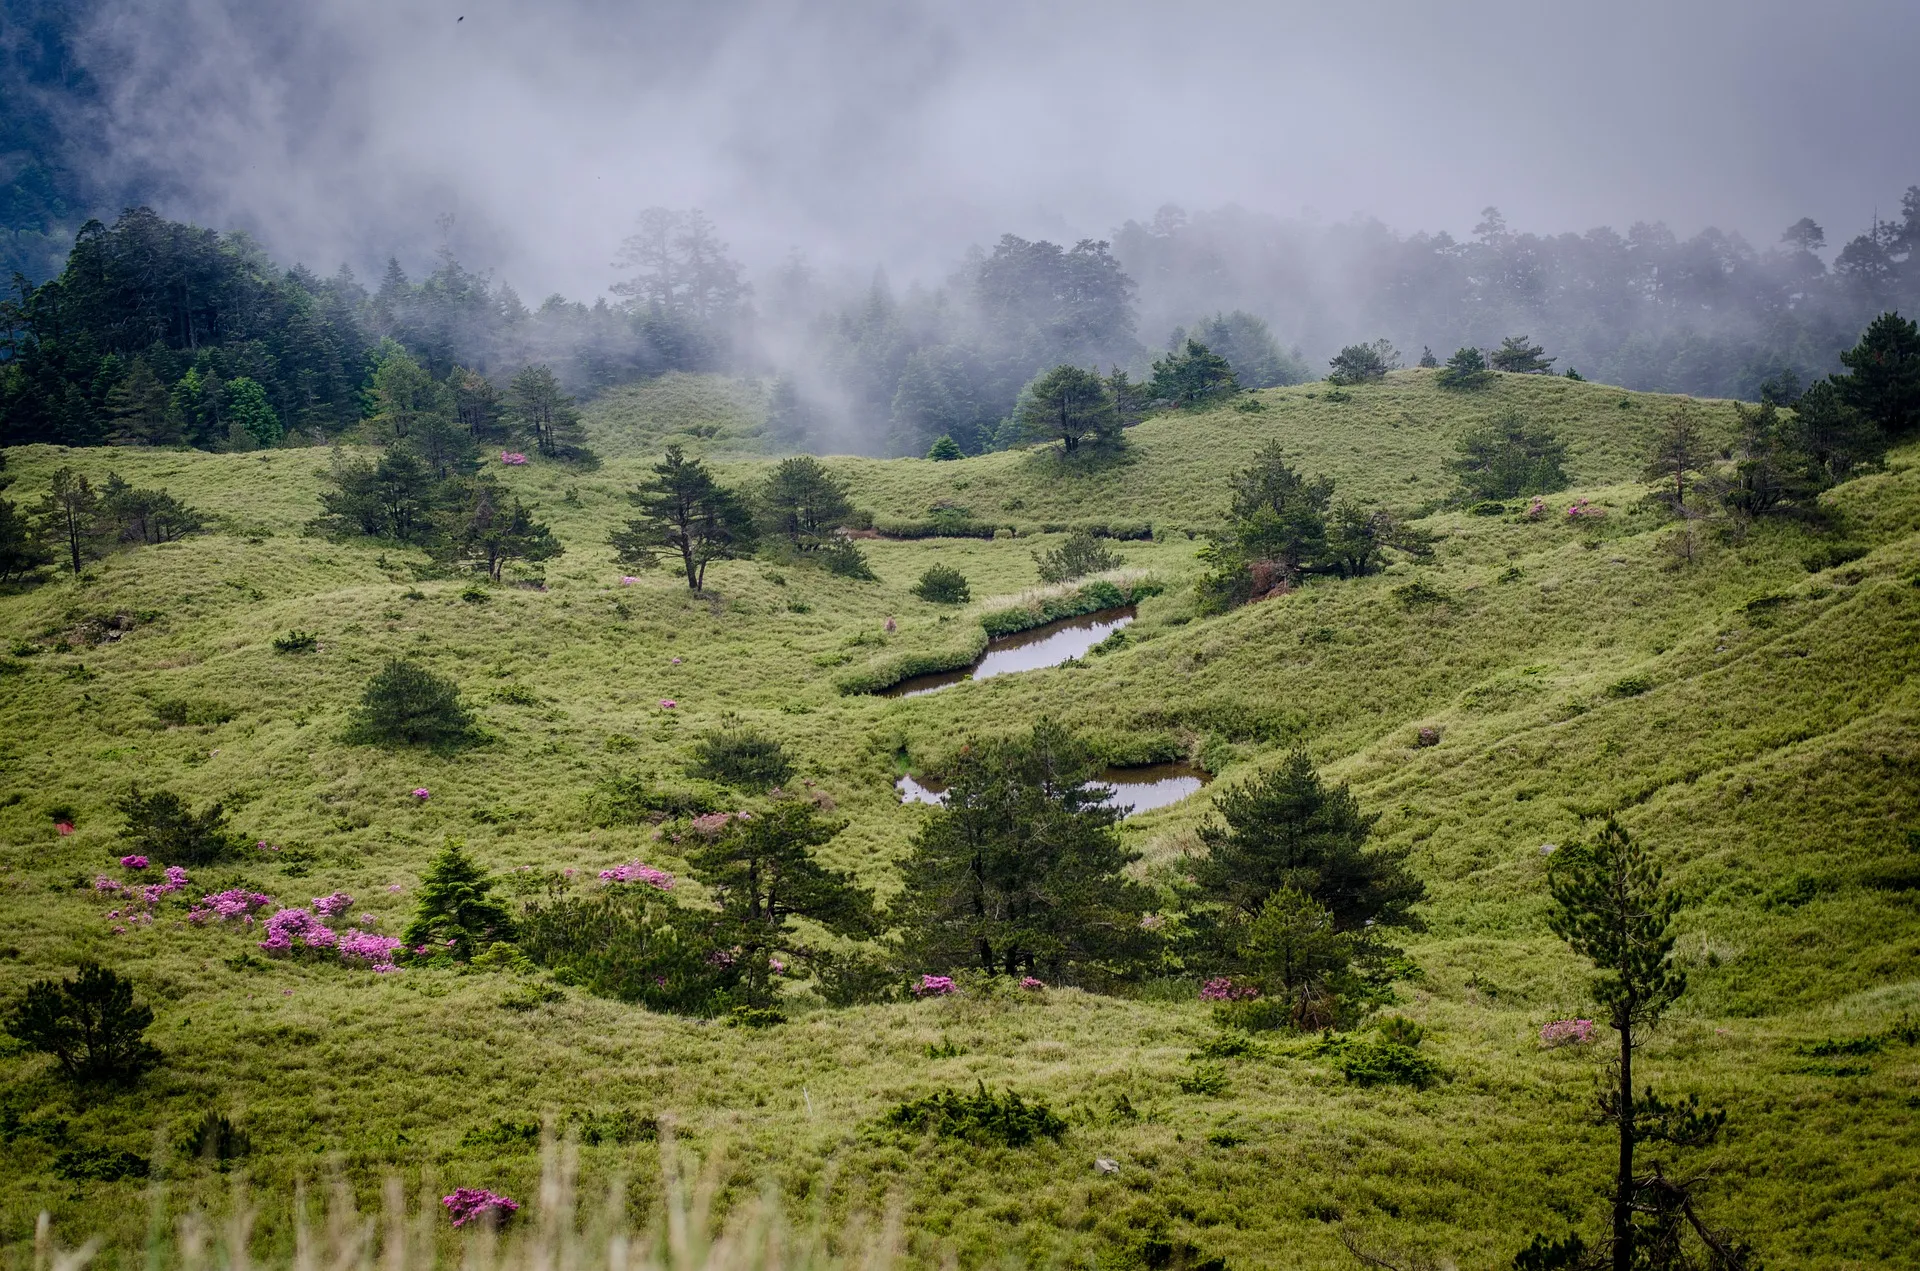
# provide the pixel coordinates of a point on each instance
(1759, 724)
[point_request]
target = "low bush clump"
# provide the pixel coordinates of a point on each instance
(1092, 598)
(90, 1025)
(1080, 555)
(217, 1140)
(407, 705)
(943, 585)
(736, 757)
(1380, 1063)
(100, 1165)
(841, 557)
(980, 1117)
(296, 641)
(1205, 1079)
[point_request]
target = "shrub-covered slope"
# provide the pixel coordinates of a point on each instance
(1753, 719)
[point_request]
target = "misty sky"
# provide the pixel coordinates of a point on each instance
(894, 134)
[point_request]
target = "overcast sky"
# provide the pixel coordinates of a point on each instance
(894, 134)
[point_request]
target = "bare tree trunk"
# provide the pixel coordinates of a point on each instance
(1623, 1181)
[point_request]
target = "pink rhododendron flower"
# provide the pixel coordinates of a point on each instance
(333, 906)
(63, 827)
(935, 986)
(301, 926)
(133, 862)
(628, 580)
(667, 703)
(367, 949)
(1032, 985)
(674, 662)
(421, 793)
(1223, 989)
(468, 1203)
(107, 886)
(1567, 1032)
(512, 458)
(638, 872)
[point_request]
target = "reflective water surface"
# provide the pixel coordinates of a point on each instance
(1134, 790)
(1046, 646)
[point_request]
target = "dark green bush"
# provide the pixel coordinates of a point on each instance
(1257, 1015)
(636, 946)
(741, 758)
(979, 1117)
(161, 825)
(407, 705)
(296, 641)
(1370, 1063)
(90, 1025)
(1080, 555)
(100, 1165)
(1629, 686)
(217, 1140)
(944, 527)
(852, 979)
(755, 1017)
(943, 585)
(1401, 1031)
(502, 1133)
(1832, 557)
(843, 558)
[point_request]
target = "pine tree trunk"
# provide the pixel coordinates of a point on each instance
(1623, 1181)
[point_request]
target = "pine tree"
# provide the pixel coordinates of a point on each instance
(1681, 448)
(1613, 907)
(1193, 376)
(1518, 356)
(546, 413)
(1884, 379)
(1509, 457)
(1427, 360)
(1021, 870)
(248, 412)
(684, 510)
(489, 531)
(456, 914)
(1070, 405)
(91, 1025)
(945, 448)
(1288, 829)
(763, 873)
(141, 410)
(70, 515)
(802, 502)
(407, 705)
(1467, 368)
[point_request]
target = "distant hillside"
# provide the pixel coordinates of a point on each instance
(1753, 715)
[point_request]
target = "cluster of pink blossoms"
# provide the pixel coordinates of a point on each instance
(1567, 1032)
(1032, 985)
(133, 862)
(1537, 508)
(1223, 989)
(1581, 510)
(292, 929)
(333, 906)
(638, 872)
(512, 458)
(237, 902)
(465, 1204)
(712, 823)
(935, 986)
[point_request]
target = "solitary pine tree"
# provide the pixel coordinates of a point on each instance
(1071, 405)
(945, 448)
(1516, 354)
(1613, 907)
(91, 1025)
(456, 913)
(489, 530)
(407, 705)
(685, 511)
(1193, 376)
(544, 412)
(1509, 457)
(1467, 368)
(802, 501)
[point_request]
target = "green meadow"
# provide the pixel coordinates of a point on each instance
(1752, 715)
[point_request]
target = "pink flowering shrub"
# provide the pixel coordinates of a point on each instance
(638, 872)
(221, 906)
(1537, 508)
(667, 703)
(1567, 1032)
(1581, 510)
(1223, 989)
(628, 580)
(465, 1204)
(421, 793)
(1032, 985)
(133, 862)
(935, 986)
(63, 828)
(332, 906)
(106, 886)
(364, 948)
(289, 927)
(513, 459)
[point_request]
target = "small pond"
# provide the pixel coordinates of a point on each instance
(1046, 646)
(1134, 789)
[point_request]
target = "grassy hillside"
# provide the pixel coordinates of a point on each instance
(1756, 721)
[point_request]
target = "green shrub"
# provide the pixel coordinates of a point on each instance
(181, 712)
(161, 825)
(943, 585)
(456, 911)
(407, 705)
(1256, 1015)
(1629, 686)
(755, 1017)
(475, 594)
(1832, 557)
(217, 1140)
(633, 945)
(1378, 1063)
(1205, 1079)
(1417, 593)
(852, 979)
(843, 558)
(296, 641)
(100, 1165)
(1080, 555)
(1400, 1030)
(1227, 1045)
(943, 527)
(90, 1024)
(945, 449)
(502, 1133)
(741, 758)
(978, 1118)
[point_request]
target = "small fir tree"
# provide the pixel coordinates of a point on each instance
(1081, 554)
(943, 585)
(1508, 458)
(1519, 356)
(70, 515)
(490, 531)
(1363, 363)
(802, 502)
(1466, 369)
(1192, 376)
(1883, 382)
(249, 412)
(945, 449)
(456, 913)
(1680, 451)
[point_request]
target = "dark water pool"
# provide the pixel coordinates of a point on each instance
(1134, 790)
(1046, 646)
